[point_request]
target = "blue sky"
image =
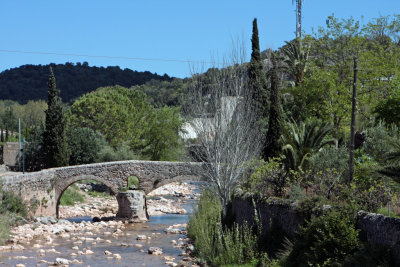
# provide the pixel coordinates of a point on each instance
(158, 29)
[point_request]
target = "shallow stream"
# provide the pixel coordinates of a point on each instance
(125, 245)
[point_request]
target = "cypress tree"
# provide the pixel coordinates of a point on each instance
(257, 80)
(55, 150)
(273, 148)
(1, 135)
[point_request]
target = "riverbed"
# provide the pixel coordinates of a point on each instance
(82, 242)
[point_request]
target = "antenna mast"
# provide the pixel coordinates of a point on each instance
(298, 17)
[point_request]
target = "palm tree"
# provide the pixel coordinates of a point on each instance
(301, 141)
(393, 159)
(296, 59)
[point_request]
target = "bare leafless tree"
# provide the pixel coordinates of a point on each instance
(223, 118)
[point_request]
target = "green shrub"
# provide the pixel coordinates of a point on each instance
(216, 243)
(203, 224)
(13, 211)
(133, 182)
(6, 221)
(331, 158)
(268, 178)
(84, 145)
(122, 152)
(325, 241)
(71, 196)
(378, 140)
(13, 204)
(388, 109)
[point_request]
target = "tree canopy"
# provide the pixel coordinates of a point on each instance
(124, 116)
(28, 82)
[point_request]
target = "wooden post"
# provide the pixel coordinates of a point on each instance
(353, 122)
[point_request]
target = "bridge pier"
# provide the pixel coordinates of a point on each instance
(132, 206)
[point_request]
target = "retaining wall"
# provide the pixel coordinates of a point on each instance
(375, 229)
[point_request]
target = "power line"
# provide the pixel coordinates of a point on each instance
(108, 57)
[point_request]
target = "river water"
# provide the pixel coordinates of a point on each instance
(125, 245)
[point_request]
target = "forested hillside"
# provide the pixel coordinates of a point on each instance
(29, 82)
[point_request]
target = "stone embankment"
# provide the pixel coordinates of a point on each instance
(275, 214)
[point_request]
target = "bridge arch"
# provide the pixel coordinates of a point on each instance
(177, 178)
(63, 185)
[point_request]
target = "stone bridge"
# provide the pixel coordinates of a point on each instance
(42, 190)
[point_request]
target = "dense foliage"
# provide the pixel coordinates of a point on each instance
(326, 240)
(124, 116)
(32, 114)
(162, 93)
(84, 145)
(28, 82)
(116, 112)
(55, 149)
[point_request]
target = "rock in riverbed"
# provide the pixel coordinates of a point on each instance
(155, 251)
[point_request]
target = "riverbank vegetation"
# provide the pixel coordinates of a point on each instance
(309, 156)
(13, 211)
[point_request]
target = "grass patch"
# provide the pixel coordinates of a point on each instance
(220, 245)
(385, 211)
(98, 194)
(71, 196)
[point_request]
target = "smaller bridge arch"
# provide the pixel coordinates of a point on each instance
(62, 186)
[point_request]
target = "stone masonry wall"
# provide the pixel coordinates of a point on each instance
(10, 153)
(381, 231)
(273, 215)
(36, 189)
(374, 228)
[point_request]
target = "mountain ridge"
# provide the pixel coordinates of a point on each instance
(29, 82)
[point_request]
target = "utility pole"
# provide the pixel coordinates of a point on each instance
(299, 3)
(353, 121)
(19, 142)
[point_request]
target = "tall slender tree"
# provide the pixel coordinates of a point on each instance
(55, 147)
(257, 79)
(272, 147)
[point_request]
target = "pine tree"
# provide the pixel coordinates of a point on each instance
(257, 79)
(273, 148)
(55, 148)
